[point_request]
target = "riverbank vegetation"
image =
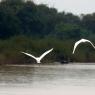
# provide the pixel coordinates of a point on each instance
(26, 26)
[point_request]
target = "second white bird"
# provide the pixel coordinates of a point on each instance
(81, 41)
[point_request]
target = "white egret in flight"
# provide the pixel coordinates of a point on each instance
(81, 41)
(38, 59)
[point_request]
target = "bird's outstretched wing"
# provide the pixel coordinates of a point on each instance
(91, 43)
(29, 55)
(75, 45)
(44, 54)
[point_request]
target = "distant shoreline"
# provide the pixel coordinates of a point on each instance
(48, 64)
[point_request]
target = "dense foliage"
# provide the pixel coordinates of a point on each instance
(26, 26)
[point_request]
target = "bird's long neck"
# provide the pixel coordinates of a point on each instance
(38, 60)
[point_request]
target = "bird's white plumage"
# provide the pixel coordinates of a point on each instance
(81, 41)
(29, 55)
(44, 54)
(38, 59)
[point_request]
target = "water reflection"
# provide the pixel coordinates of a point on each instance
(47, 75)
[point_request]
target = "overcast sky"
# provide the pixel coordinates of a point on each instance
(74, 6)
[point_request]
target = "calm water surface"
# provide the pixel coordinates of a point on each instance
(46, 77)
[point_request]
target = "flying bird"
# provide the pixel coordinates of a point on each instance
(81, 41)
(38, 59)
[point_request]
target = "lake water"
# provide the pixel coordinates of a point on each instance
(69, 79)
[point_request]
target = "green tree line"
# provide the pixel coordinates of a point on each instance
(26, 26)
